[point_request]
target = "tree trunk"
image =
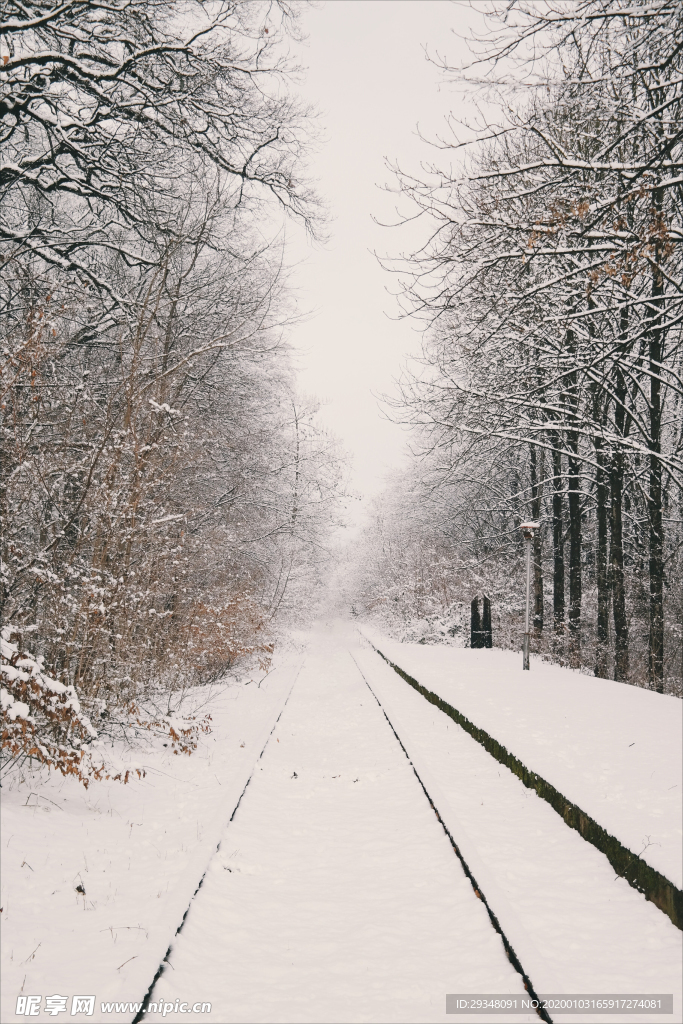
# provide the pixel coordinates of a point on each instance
(602, 572)
(536, 487)
(622, 423)
(600, 410)
(656, 531)
(574, 482)
(558, 539)
(621, 639)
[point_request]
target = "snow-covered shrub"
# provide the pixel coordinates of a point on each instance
(164, 490)
(41, 717)
(221, 635)
(155, 716)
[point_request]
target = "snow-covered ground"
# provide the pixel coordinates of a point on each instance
(335, 894)
(614, 750)
(575, 927)
(138, 851)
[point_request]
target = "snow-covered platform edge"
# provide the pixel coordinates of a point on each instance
(628, 865)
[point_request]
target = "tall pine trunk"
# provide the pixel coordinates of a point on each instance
(570, 399)
(622, 425)
(486, 624)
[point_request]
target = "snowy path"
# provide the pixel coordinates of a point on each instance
(336, 895)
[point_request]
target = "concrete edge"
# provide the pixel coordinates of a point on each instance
(628, 865)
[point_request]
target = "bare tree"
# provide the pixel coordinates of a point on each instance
(112, 112)
(553, 272)
(165, 492)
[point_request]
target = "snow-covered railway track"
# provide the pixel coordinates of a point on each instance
(265, 739)
(574, 926)
(628, 865)
(335, 894)
(427, 783)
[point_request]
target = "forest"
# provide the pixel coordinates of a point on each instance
(341, 510)
(549, 283)
(170, 500)
(166, 491)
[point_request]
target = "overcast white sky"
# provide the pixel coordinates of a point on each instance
(368, 76)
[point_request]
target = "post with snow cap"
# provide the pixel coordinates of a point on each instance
(528, 531)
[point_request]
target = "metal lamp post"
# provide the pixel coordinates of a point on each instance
(528, 531)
